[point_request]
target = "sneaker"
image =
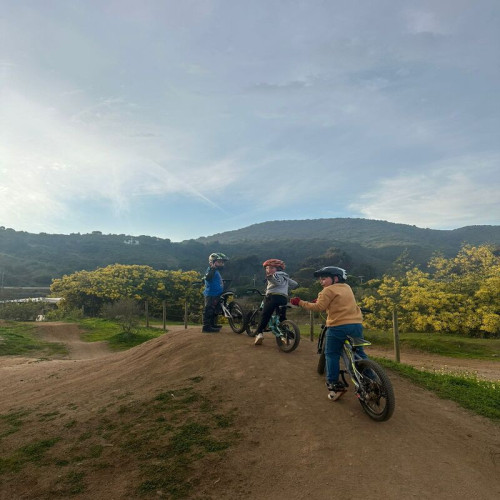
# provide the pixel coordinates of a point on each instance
(209, 329)
(259, 338)
(335, 390)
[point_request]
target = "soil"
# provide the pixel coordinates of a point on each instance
(294, 443)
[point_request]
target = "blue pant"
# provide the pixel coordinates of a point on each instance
(335, 337)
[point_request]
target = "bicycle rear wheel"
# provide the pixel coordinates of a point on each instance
(252, 322)
(375, 394)
(321, 363)
(321, 351)
(289, 339)
(237, 319)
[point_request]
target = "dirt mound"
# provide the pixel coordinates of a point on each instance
(294, 443)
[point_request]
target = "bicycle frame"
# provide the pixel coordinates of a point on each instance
(286, 333)
(274, 321)
(372, 386)
(225, 298)
(229, 308)
(350, 356)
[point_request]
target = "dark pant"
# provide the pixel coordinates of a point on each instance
(211, 310)
(271, 303)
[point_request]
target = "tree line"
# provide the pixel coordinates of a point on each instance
(367, 248)
(459, 295)
(456, 295)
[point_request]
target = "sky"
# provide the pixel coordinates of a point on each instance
(181, 119)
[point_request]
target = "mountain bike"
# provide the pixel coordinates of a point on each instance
(371, 384)
(287, 333)
(228, 307)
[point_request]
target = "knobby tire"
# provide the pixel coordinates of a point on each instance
(252, 322)
(237, 320)
(292, 333)
(377, 399)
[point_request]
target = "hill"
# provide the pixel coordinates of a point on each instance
(365, 247)
(369, 233)
(106, 427)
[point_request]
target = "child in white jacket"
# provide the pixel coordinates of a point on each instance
(278, 284)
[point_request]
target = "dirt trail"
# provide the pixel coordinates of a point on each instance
(295, 443)
(70, 335)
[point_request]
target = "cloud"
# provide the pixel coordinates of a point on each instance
(450, 194)
(245, 111)
(51, 159)
(425, 22)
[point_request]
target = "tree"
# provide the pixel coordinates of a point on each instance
(402, 264)
(92, 289)
(125, 312)
(462, 296)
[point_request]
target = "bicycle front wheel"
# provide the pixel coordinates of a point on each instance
(289, 339)
(375, 393)
(237, 318)
(252, 322)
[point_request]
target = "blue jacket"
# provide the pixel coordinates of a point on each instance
(213, 283)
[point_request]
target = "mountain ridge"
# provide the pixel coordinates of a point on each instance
(355, 231)
(365, 247)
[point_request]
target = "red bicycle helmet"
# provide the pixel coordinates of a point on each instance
(274, 263)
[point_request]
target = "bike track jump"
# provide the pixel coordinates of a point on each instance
(294, 443)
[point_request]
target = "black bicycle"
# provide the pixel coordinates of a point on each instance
(372, 386)
(229, 308)
(287, 332)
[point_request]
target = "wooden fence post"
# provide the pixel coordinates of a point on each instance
(146, 310)
(311, 326)
(185, 314)
(164, 303)
(395, 329)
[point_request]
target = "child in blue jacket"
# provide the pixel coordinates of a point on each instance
(214, 286)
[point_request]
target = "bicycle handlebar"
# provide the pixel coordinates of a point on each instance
(255, 290)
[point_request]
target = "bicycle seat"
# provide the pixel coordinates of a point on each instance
(280, 308)
(358, 341)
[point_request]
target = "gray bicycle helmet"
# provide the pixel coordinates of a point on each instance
(331, 271)
(217, 256)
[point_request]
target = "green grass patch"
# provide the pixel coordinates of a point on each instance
(103, 330)
(17, 338)
(480, 396)
(166, 438)
(453, 346)
(32, 452)
(70, 484)
(11, 422)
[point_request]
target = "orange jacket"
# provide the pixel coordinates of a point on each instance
(340, 304)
